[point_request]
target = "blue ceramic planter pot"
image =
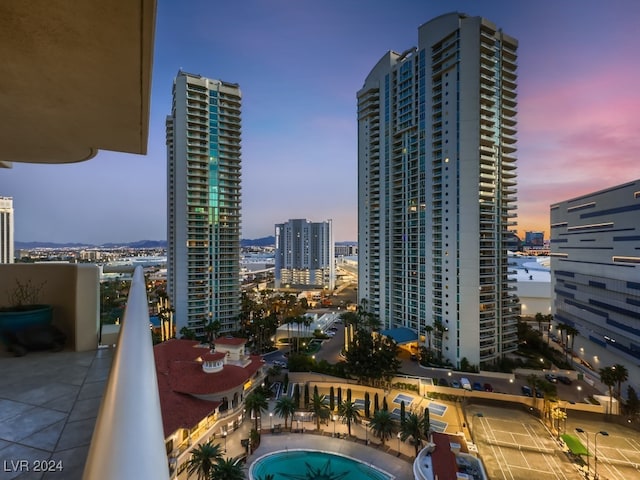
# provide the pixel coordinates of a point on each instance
(12, 321)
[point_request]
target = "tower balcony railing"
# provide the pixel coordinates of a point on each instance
(128, 439)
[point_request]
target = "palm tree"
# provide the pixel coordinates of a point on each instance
(349, 412)
(561, 327)
(203, 459)
(548, 318)
(413, 427)
(382, 425)
(608, 377)
(621, 375)
(319, 409)
(573, 332)
(227, 469)
(549, 394)
(428, 330)
(285, 407)
(255, 403)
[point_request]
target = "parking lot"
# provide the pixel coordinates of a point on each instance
(514, 445)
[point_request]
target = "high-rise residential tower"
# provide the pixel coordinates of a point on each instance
(203, 202)
(6, 230)
(305, 254)
(436, 188)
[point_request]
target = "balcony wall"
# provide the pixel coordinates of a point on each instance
(73, 290)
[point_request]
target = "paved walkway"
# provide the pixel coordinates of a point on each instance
(386, 458)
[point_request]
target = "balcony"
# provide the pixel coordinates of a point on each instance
(54, 397)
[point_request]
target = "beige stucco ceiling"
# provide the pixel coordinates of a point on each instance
(75, 78)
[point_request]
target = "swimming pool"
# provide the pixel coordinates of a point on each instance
(313, 465)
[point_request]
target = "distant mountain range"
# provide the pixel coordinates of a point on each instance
(257, 242)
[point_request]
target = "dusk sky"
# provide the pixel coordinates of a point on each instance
(299, 64)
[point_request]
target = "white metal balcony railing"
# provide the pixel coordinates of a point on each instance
(128, 439)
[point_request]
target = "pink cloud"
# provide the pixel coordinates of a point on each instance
(576, 137)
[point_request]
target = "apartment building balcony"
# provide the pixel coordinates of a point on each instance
(49, 401)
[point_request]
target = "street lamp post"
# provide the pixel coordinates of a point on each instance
(604, 434)
(270, 420)
(224, 434)
(398, 444)
(334, 425)
(580, 430)
(366, 433)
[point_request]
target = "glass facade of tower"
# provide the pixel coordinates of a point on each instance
(437, 185)
(203, 218)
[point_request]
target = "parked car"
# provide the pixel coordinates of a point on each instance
(551, 377)
(279, 363)
(526, 390)
(466, 384)
(455, 384)
(477, 386)
(565, 380)
(488, 387)
(539, 394)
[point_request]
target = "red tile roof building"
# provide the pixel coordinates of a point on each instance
(197, 383)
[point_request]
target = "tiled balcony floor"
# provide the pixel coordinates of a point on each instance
(48, 407)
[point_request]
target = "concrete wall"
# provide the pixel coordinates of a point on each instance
(73, 290)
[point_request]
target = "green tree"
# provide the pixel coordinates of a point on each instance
(413, 427)
(203, 459)
(285, 407)
(332, 399)
(573, 333)
(319, 408)
(349, 413)
(296, 395)
(212, 329)
(255, 403)
(428, 330)
(382, 425)
(367, 404)
(373, 360)
(228, 469)
(608, 377)
(187, 333)
(621, 375)
(306, 394)
(403, 413)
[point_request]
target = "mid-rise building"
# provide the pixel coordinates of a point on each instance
(6, 230)
(534, 239)
(346, 250)
(203, 202)
(595, 271)
(305, 254)
(437, 186)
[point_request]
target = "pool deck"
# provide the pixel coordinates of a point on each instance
(399, 467)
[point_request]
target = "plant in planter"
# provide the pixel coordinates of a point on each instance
(26, 324)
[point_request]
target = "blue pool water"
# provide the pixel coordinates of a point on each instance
(313, 465)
